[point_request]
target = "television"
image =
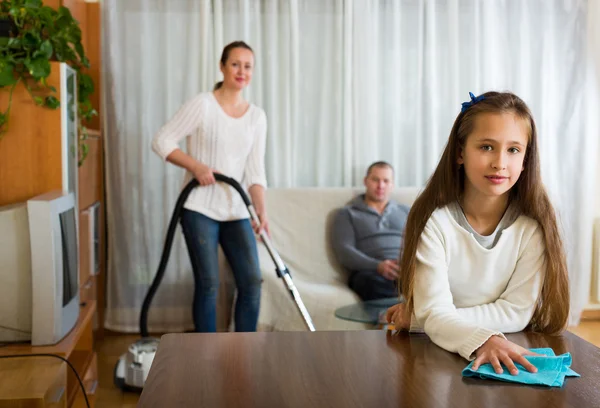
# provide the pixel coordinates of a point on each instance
(39, 277)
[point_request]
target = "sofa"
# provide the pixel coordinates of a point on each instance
(300, 222)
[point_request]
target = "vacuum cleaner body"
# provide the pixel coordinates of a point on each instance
(131, 371)
(133, 367)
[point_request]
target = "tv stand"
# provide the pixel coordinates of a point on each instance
(44, 378)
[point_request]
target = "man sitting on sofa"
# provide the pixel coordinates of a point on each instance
(367, 236)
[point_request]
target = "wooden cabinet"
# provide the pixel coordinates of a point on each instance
(31, 150)
(31, 163)
(77, 347)
(91, 233)
(28, 382)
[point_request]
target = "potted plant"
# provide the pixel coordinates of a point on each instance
(32, 35)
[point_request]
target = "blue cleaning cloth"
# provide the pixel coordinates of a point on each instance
(552, 370)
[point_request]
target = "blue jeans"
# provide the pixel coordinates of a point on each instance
(370, 285)
(203, 236)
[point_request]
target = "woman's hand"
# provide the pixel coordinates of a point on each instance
(397, 316)
(498, 350)
(204, 174)
(264, 224)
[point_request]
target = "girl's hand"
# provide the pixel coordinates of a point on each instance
(204, 174)
(264, 224)
(498, 350)
(396, 315)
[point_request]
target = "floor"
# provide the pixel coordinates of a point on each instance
(112, 346)
(588, 330)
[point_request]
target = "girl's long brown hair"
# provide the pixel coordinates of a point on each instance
(446, 186)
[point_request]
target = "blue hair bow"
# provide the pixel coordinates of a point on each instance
(473, 101)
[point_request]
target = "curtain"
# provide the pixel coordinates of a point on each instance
(344, 83)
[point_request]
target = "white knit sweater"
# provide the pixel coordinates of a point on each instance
(234, 147)
(465, 293)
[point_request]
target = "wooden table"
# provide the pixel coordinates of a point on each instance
(371, 368)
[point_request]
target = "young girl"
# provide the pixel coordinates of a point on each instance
(482, 254)
(226, 133)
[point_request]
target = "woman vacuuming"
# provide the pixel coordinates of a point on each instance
(225, 134)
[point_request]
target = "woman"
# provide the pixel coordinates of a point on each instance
(226, 134)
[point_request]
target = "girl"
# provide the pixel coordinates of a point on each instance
(226, 133)
(482, 253)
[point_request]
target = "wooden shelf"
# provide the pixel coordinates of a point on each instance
(32, 382)
(86, 365)
(81, 360)
(66, 346)
(90, 383)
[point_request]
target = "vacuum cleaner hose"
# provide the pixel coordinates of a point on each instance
(169, 242)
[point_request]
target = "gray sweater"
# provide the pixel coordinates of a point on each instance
(361, 237)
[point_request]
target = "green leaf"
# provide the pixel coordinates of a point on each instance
(62, 22)
(73, 37)
(7, 74)
(14, 42)
(80, 51)
(3, 128)
(38, 67)
(65, 13)
(31, 39)
(65, 54)
(39, 101)
(58, 54)
(4, 41)
(46, 49)
(52, 102)
(14, 11)
(86, 87)
(83, 152)
(33, 3)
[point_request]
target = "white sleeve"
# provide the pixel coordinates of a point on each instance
(183, 123)
(254, 172)
(433, 303)
(513, 310)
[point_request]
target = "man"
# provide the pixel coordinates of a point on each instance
(367, 236)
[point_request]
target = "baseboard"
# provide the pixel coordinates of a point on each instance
(590, 314)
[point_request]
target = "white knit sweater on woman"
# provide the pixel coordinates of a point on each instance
(232, 146)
